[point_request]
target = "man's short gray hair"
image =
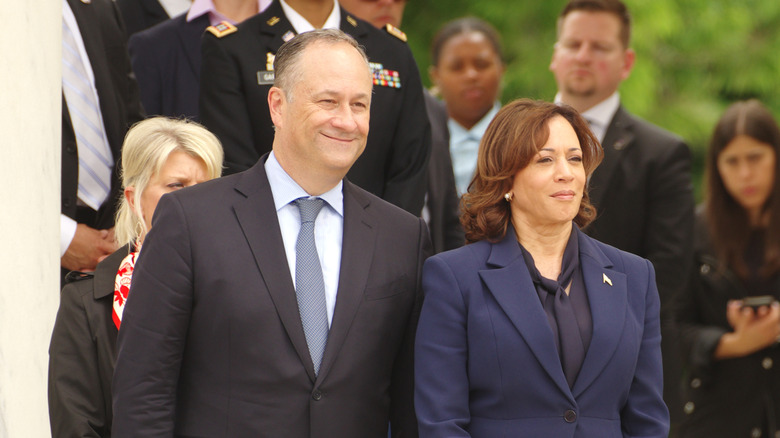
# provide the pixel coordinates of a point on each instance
(287, 70)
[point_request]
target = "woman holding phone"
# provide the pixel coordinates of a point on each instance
(729, 316)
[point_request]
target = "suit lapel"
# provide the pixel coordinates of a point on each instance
(190, 34)
(607, 307)
(510, 284)
(357, 244)
(257, 217)
(618, 137)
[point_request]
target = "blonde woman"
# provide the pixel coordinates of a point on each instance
(159, 155)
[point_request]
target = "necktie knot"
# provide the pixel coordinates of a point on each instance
(309, 208)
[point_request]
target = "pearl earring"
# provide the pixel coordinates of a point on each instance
(508, 196)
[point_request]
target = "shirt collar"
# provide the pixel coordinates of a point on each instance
(602, 113)
(200, 7)
(301, 25)
(459, 134)
(599, 116)
(285, 190)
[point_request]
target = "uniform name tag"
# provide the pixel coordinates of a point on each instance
(265, 77)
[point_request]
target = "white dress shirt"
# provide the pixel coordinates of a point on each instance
(328, 228)
(302, 25)
(599, 116)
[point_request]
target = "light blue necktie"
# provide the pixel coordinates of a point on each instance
(95, 160)
(309, 286)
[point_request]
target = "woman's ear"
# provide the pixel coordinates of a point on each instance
(130, 197)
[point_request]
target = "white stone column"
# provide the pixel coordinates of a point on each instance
(30, 118)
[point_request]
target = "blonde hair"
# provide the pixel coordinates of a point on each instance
(147, 146)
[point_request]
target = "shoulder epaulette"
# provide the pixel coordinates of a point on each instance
(396, 32)
(74, 276)
(222, 29)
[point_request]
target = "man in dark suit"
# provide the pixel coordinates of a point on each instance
(103, 104)
(232, 328)
(166, 57)
(642, 190)
(237, 74)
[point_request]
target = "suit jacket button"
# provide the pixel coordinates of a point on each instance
(570, 416)
(316, 395)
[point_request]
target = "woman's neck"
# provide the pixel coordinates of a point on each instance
(546, 245)
(236, 10)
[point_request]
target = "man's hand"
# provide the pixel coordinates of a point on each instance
(88, 247)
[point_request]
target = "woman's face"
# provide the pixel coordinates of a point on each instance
(180, 170)
(747, 168)
(548, 191)
(468, 75)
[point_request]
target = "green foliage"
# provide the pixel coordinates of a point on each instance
(694, 58)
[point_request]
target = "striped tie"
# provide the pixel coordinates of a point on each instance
(95, 159)
(309, 285)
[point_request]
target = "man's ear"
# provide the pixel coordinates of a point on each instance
(276, 102)
(628, 63)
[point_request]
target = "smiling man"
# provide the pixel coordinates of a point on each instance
(642, 190)
(281, 301)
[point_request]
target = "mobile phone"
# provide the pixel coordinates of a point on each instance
(758, 301)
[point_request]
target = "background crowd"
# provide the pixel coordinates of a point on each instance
(423, 161)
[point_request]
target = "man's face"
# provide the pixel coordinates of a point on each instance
(322, 126)
(589, 60)
(377, 12)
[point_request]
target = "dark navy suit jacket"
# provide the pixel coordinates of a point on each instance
(486, 364)
(166, 61)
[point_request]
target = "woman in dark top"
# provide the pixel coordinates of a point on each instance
(733, 381)
(159, 155)
(535, 329)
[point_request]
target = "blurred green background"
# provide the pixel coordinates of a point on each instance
(694, 57)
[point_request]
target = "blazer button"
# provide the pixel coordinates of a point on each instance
(570, 416)
(755, 433)
(767, 363)
(316, 395)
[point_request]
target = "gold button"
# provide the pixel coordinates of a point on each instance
(767, 363)
(689, 407)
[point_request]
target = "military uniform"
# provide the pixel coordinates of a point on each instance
(237, 73)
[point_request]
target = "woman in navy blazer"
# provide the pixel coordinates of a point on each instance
(534, 329)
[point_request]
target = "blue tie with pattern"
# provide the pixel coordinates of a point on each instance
(309, 286)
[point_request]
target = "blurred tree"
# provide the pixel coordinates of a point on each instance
(694, 58)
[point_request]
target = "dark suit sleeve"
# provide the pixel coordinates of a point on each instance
(143, 51)
(408, 167)
(154, 329)
(441, 352)
(128, 88)
(669, 237)
(223, 107)
(76, 405)
(403, 420)
(645, 413)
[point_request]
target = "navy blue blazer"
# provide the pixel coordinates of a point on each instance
(486, 364)
(166, 62)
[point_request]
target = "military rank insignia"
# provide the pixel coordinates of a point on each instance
(351, 21)
(396, 32)
(269, 61)
(222, 29)
(384, 77)
(273, 20)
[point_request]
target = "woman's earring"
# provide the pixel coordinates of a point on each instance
(508, 196)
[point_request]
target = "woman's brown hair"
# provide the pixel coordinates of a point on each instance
(729, 224)
(511, 141)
